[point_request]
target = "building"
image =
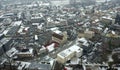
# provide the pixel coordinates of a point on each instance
(50, 47)
(116, 55)
(12, 31)
(89, 34)
(25, 53)
(5, 45)
(81, 33)
(59, 37)
(100, 1)
(67, 54)
(59, 2)
(23, 65)
(11, 52)
(37, 18)
(107, 20)
(39, 66)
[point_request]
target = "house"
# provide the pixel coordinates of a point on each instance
(12, 52)
(17, 23)
(42, 50)
(116, 55)
(107, 20)
(89, 34)
(50, 47)
(23, 65)
(81, 33)
(59, 36)
(82, 42)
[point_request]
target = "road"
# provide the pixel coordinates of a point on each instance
(54, 53)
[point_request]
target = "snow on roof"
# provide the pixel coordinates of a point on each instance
(82, 40)
(107, 17)
(26, 28)
(23, 65)
(40, 26)
(37, 24)
(96, 20)
(51, 47)
(5, 32)
(55, 28)
(57, 31)
(12, 52)
(17, 23)
(21, 29)
(106, 29)
(113, 32)
(36, 37)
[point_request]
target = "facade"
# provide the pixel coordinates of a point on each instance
(59, 37)
(25, 53)
(81, 33)
(89, 34)
(107, 20)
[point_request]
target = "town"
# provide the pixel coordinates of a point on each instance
(59, 34)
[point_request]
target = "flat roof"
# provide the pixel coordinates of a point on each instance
(69, 51)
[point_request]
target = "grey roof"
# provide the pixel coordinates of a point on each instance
(5, 40)
(45, 37)
(13, 30)
(40, 66)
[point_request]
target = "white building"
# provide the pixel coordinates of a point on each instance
(69, 53)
